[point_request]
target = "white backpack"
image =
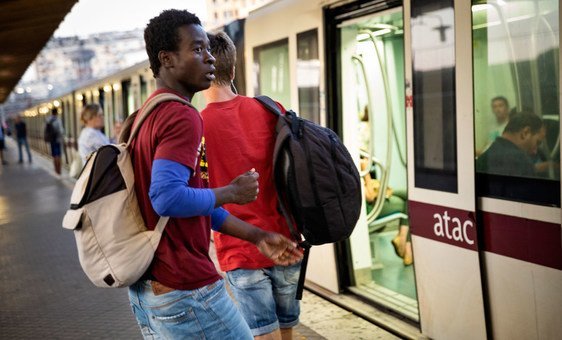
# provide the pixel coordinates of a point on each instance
(114, 246)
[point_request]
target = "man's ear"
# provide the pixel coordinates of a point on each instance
(233, 73)
(526, 132)
(166, 59)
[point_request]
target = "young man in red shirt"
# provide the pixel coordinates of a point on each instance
(182, 296)
(239, 131)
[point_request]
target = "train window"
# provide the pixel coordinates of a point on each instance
(143, 89)
(308, 75)
(435, 144)
(271, 71)
(101, 97)
(516, 99)
(128, 100)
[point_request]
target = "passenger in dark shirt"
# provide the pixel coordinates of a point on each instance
(510, 154)
(21, 135)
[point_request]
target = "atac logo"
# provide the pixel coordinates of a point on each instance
(453, 228)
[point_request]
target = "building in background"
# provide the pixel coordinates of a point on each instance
(68, 62)
(220, 12)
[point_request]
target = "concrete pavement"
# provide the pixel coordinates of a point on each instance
(45, 294)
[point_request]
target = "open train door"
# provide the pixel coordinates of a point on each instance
(441, 174)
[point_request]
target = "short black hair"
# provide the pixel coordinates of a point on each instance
(520, 120)
(501, 98)
(161, 34)
(224, 51)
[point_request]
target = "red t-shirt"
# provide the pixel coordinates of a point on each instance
(240, 135)
(173, 131)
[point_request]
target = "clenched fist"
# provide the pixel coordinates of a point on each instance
(245, 187)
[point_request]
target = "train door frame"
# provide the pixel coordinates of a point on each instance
(334, 16)
(441, 285)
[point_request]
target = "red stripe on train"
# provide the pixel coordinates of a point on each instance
(519, 238)
(523, 239)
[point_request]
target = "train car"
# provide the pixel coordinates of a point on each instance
(444, 247)
(119, 95)
(409, 87)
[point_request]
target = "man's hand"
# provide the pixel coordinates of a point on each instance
(278, 248)
(243, 189)
(275, 246)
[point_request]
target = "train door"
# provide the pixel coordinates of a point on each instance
(516, 62)
(441, 172)
(371, 67)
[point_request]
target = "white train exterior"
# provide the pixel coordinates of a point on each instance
(416, 77)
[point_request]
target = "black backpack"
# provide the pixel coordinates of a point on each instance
(50, 133)
(317, 182)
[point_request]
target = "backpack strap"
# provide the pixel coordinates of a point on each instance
(162, 221)
(151, 105)
(269, 104)
(142, 115)
(284, 132)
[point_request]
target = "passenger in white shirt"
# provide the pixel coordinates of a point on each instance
(91, 137)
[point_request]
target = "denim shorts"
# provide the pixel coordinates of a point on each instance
(266, 297)
(203, 313)
(55, 149)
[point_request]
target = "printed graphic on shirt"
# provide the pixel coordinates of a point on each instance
(203, 160)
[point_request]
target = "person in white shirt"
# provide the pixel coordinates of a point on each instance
(91, 137)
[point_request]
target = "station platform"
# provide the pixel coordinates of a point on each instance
(45, 294)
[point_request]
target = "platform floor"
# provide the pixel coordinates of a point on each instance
(45, 295)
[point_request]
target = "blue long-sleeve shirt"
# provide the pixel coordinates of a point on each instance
(171, 195)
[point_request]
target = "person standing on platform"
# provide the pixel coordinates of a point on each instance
(55, 137)
(2, 145)
(182, 296)
(240, 131)
(21, 136)
(91, 138)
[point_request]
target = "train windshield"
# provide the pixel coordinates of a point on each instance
(516, 99)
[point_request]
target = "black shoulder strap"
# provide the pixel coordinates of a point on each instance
(284, 133)
(269, 104)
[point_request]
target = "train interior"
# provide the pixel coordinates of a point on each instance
(374, 129)
(516, 53)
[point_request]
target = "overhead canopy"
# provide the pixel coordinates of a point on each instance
(25, 28)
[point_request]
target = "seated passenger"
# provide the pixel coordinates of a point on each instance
(500, 109)
(511, 153)
(393, 203)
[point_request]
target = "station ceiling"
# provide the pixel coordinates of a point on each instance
(25, 28)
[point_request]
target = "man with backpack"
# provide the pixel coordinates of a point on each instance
(54, 135)
(182, 295)
(21, 135)
(240, 131)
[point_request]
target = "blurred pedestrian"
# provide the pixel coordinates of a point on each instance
(117, 127)
(2, 145)
(91, 137)
(54, 135)
(21, 136)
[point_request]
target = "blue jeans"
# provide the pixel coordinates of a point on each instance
(266, 297)
(204, 313)
(23, 141)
